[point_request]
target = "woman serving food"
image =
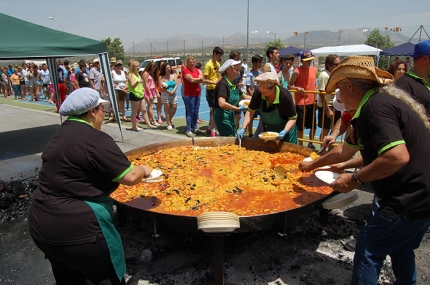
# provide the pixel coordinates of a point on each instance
(71, 218)
(276, 108)
(227, 97)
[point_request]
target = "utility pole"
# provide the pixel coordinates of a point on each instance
(247, 35)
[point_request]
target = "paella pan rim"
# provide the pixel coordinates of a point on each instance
(248, 222)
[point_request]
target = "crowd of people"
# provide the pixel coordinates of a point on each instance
(158, 83)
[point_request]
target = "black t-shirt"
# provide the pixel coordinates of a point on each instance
(82, 79)
(283, 103)
(385, 122)
(79, 162)
(416, 88)
(222, 89)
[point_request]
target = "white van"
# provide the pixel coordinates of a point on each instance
(173, 61)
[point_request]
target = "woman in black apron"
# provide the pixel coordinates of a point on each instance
(276, 107)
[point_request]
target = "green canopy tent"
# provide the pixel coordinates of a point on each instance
(25, 40)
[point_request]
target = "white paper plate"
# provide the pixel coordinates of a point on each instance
(155, 173)
(219, 230)
(153, 180)
(340, 200)
(242, 102)
(327, 176)
(268, 138)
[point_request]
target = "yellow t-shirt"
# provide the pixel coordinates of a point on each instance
(212, 73)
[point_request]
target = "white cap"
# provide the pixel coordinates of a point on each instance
(337, 102)
(80, 101)
(228, 63)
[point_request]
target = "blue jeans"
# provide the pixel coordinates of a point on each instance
(17, 90)
(192, 104)
(383, 236)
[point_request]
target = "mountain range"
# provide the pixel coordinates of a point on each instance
(178, 43)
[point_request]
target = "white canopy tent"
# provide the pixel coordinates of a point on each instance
(347, 50)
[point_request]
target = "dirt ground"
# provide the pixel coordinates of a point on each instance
(310, 253)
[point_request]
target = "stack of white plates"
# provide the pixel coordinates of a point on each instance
(218, 222)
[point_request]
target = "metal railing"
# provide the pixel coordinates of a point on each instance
(314, 122)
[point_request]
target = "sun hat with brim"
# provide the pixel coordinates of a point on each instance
(421, 49)
(118, 62)
(306, 55)
(81, 101)
(337, 102)
(357, 67)
(267, 77)
(112, 59)
(229, 63)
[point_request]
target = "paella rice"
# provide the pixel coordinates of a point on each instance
(225, 178)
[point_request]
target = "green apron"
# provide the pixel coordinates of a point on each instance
(102, 207)
(274, 123)
(225, 120)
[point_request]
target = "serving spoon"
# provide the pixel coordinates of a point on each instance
(281, 172)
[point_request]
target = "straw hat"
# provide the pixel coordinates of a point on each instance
(357, 67)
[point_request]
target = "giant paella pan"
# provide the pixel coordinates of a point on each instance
(216, 174)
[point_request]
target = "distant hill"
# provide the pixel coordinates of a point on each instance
(315, 39)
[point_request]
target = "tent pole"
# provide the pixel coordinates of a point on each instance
(104, 60)
(53, 73)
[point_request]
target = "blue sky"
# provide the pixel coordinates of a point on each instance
(136, 20)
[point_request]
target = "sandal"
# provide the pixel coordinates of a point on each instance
(170, 128)
(111, 119)
(126, 120)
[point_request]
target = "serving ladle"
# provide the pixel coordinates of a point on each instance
(281, 172)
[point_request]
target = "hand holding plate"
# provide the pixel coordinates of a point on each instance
(282, 134)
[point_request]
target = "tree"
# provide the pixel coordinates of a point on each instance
(376, 39)
(115, 48)
(275, 43)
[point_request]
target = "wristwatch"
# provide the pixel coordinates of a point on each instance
(355, 177)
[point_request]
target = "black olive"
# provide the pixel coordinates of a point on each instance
(176, 191)
(188, 199)
(228, 191)
(197, 202)
(195, 208)
(138, 158)
(192, 188)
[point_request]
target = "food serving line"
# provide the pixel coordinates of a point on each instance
(218, 224)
